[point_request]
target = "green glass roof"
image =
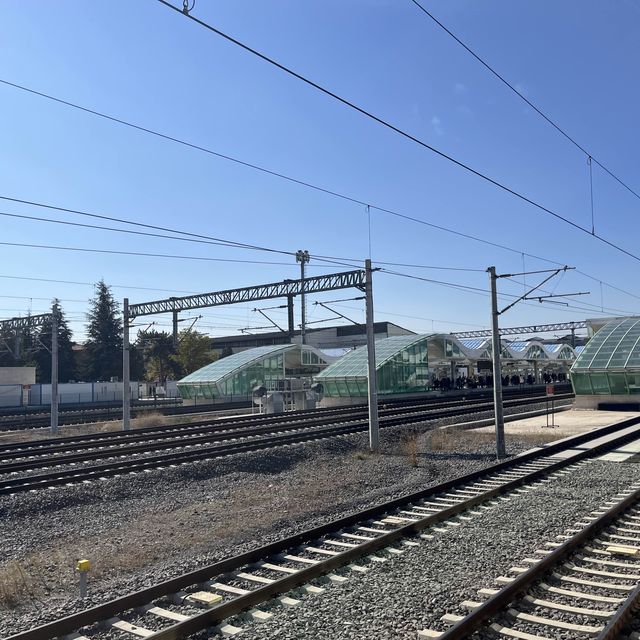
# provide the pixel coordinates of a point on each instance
(226, 366)
(354, 363)
(615, 346)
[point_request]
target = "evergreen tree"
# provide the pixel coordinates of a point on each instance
(102, 358)
(66, 356)
(194, 351)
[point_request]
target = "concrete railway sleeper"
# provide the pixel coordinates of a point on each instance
(208, 597)
(587, 585)
(60, 455)
(324, 416)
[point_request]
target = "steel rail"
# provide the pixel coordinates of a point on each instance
(307, 429)
(42, 418)
(159, 432)
(627, 611)
(216, 614)
(497, 603)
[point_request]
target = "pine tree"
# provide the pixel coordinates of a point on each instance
(102, 358)
(66, 356)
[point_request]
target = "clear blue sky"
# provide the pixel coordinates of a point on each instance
(577, 60)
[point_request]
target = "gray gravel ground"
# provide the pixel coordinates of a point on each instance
(138, 530)
(412, 591)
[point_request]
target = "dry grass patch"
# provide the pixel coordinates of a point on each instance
(454, 439)
(15, 585)
(411, 447)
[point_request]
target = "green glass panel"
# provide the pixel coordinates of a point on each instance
(600, 383)
(633, 382)
(618, 383)
(581, 383)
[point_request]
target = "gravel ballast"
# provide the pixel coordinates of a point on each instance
(142, 529)
(412, 591)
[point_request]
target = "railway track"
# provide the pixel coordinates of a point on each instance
(33, 419)
(587, 586)
(263, 578)
(131, 452)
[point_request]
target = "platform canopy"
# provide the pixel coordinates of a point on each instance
(236, 375)
(609, 364)
(407, 364)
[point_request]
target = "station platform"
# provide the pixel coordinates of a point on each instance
(575, 421)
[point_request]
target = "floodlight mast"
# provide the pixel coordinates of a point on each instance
(302, 256)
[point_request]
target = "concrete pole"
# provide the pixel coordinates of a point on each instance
(126, 395)
(291, 326)
(497, 370)
(54, 372)
(374, 428)
(174, 325)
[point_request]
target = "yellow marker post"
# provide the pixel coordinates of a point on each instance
(82, 567)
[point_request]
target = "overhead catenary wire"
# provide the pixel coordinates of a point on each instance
(141, 253)
(537, 109)
(405, 134)
(330, 259)
(480, 291)
(322, 257)
(265, 170)
(382, 209)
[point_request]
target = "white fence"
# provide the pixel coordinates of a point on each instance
(79, 392)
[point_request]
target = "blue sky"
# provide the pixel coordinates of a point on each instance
(139, 61)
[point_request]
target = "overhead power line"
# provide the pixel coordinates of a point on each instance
(141, 253)
(331, 259)
(539, 111)
(402, 132)
(485, 293)
(267, 171)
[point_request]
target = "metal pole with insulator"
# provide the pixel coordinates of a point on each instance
(126, 396)
(54, 372)
(374, 435)
(497, 369)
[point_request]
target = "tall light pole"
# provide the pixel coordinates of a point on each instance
(302, 256)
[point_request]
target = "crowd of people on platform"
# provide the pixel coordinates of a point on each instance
(486, 382)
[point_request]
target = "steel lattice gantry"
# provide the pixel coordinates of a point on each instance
(534, 328)
(284, 289)
(32, 322)
(359, 279)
